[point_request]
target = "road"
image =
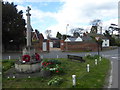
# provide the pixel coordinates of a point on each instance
(110, 54)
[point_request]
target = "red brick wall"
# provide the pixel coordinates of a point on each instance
(79, 46)
(48, 46)
(39, 46)
(62, 46)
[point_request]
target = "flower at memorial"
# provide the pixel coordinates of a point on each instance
(57, 71)
(26, 58)
(53, 66)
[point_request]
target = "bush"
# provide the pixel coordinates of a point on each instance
(55, 81)
(96, 56)
(88, 56)
(54, 61)
(92, 57)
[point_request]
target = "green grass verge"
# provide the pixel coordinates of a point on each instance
(94, 79)
(7, 64)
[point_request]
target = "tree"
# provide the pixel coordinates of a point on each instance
(113, 27)
(95, 24)
(59, 36)
(13, 26)
(48, 33)
(112, 40)
(76, 31)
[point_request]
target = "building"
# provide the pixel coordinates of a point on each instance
(78, 44)
(72, 39)
(105, 40)
(40, 44)
(85, 43)
(54, 42)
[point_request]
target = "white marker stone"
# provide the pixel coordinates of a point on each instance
(74, 80)
(88, 68)
(95, 61)
(100, 58)
(13, 76)
(9, 57)
(29, 77)
(8, 77)
(41, 56)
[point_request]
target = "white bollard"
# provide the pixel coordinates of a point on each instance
(8, 77)
(100, 59)
(41, 56)
(9, 57)
(74, 80)
(13, 76)
(29, 77)
(88, 68)
(95, 61)
(57, 56)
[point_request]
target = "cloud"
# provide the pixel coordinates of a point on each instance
(79, 13)
(22, 1)
(76, 13)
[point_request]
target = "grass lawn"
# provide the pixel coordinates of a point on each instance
(93, 79)
(7, 64)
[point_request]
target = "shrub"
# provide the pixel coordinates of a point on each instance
(55, 81)
(89, 56)
(96, 56)
(54, 61)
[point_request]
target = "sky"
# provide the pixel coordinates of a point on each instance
(54, 15)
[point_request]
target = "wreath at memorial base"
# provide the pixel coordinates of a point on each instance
(26, 58)
(37, 56)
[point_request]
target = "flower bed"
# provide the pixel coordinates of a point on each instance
(54, 66)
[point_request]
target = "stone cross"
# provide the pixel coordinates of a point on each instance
(28, 26)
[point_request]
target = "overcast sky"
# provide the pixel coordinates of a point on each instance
(56, 14)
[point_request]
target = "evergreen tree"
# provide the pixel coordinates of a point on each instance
(13, 26)
(59, 36)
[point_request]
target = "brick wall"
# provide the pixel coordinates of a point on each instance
(79, 46)
(39, 46)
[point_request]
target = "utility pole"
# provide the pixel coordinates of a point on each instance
(66, 36)
(119, 19)
(97, 38)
